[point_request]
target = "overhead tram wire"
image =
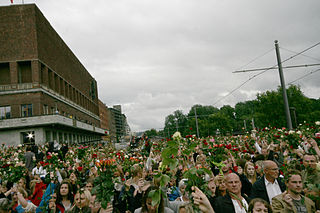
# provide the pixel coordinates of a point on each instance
(310, 73)
(253, 60)
(300, 53)
(238, 87)
(316, 59)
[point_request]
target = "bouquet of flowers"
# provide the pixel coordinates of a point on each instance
(293, 139)
(82, 150)
(104, 183)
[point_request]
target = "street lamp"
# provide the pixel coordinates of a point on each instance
(294, 115)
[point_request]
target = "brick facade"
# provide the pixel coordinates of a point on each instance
(33, 52)
(38, 69)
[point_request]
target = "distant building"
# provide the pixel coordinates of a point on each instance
(46, 94)
(113, 122)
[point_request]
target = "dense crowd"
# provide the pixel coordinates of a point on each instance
(268, 170)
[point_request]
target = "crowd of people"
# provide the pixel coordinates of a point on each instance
(263, 171)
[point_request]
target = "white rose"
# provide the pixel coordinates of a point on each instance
(291, 132)
(176, 135)
(299, 132)
(317, 122)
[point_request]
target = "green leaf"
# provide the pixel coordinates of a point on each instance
(173, 164)
(156, 197)
(104, 204)
(172, 143)
(164, 180)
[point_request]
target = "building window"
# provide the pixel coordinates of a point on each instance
(45, 109)
(5, 112)
(28, 137)
(26, 110)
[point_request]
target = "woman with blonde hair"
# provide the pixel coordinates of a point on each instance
(81, 202)
(250, 172)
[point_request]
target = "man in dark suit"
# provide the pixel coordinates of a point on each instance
(233, 201)
(269, 185)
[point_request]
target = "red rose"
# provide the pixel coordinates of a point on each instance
(49, 157)
(256, 167)
(123, 179)
(94, 155)
(291, 147)
(235, 168)
(41, 162)
(80, 168)
(168, 169)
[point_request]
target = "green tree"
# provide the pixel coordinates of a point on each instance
(176, 122)
(151, 133)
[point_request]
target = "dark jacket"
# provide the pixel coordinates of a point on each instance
(259, 189)
(223, 204)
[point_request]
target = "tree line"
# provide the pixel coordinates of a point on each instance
(266, 110)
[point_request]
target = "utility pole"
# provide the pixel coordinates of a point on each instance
(177, 124)
(284, 91)
(283, 85)
(253, 127)
(195, 114)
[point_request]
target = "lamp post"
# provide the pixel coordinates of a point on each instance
(294, 115)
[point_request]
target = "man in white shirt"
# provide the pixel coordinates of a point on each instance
(233, 201)
(270, 184)
(38, 170)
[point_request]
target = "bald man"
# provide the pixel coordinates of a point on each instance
(233, 201)
(269, 185)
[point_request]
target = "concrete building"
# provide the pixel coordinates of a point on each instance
(46, 94)
(114, 122)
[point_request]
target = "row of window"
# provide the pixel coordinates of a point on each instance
(30, 137)
(69, 137)
(26, 111)
(58, 84)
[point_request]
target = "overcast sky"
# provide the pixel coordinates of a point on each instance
(157, 56)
